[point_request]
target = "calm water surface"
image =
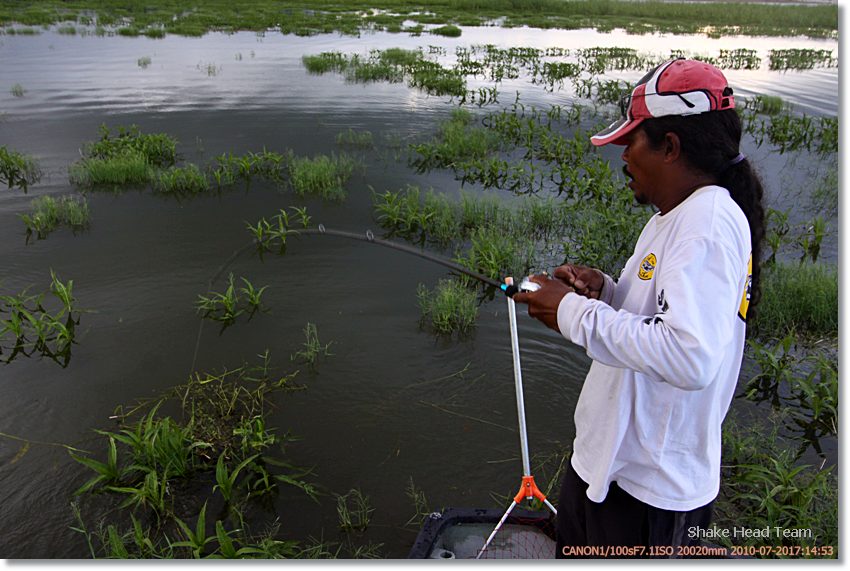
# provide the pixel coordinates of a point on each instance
(393, 402)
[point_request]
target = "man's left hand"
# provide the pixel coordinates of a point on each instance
(543, 303)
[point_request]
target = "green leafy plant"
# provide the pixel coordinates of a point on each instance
(313, 348)
(18, 170)
(49, 213)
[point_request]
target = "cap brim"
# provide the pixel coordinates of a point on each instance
(615, 133)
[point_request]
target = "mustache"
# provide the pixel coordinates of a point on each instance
(627, 173)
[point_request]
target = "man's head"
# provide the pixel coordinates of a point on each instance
(677, 87)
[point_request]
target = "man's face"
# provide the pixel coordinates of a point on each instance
(642, 166)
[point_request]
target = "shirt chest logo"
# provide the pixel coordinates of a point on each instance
(647, 267)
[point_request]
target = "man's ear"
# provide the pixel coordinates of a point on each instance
(672, 147)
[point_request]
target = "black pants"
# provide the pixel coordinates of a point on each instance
(620, 526)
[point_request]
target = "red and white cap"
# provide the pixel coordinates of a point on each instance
(676, 87)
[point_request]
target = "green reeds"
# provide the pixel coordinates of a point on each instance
(448, 30)
(799, 59)
(354, 511)
(451, 307)
(457, 140)
(28, 328)
(18, 170)
(17, 90)
(116, 172)
(144, 62)
(49, 213)
(158, 149)
(181, 180)
(226, 306)
(324, 176)
(313, 348)
(356, 139)
(801, 298)
(128, 158)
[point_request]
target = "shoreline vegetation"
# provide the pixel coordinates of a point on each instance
(159, 18)
(195, 472)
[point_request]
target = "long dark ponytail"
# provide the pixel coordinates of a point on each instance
(710, 143)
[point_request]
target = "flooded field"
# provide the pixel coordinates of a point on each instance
(389, 402)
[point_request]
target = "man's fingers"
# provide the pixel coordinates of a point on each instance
(520, 297)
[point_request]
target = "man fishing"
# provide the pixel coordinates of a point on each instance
(666, 338)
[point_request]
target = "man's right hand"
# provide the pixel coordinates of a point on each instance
(585, 281)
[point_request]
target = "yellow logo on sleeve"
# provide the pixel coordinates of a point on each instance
(748, 290)
(647, 267)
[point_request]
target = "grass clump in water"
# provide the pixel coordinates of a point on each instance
(226, 306)
(313, 348)
(450, 308)
(144, 62)
(186, 180)
(49, 213)
(457, 140)
(28, 328)
(17, 90)
(158, 149)
(170, 469)
(127, 169)
(448, 30)
(18, 170)
(323, 176)
(798, 298)
(356, 139)
(128, 158)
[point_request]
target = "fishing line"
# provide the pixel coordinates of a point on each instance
(370, 238)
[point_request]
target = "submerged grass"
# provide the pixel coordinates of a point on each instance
(451, 307)
(49, 213)
(182, 180)
(323, 176)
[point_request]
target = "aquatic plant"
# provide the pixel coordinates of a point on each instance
(356, 139)
(313, 348)
(158, 149)
(128, 169)
(420, 504)
(18, 170)
(763, 484)
(451, 307)
(777, 231)
(353, 510)
(27, 328)
(226, 306)
(17, 90)
(323, 175)
(801, 298)
(49, 213)
(811, 238)
(456, 140)
(801, 58)
(181, 180)
(266, 164)
(144, 62)
(448, 30)
(352, 16)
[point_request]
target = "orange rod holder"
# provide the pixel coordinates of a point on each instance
(528, 489)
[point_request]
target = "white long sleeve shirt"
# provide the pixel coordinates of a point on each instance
(666, 342)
